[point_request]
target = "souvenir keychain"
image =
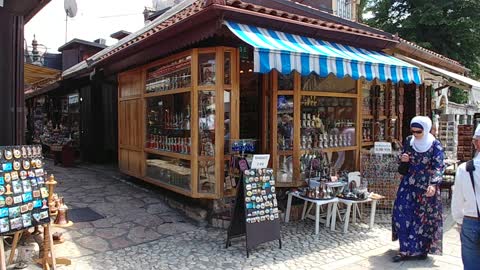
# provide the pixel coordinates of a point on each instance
(17, 153)
(8, 154)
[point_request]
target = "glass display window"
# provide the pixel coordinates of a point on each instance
(168, 123)
(285, 82)
(327, 122)
(206, 69)
(324, 165)
(206, 161)
(313, 82)
(285, 127)
(173, 75)
(227, 67)
(206, 114)
(285, 170)
(168, 170)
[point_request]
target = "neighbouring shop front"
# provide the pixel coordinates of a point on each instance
(299, 98)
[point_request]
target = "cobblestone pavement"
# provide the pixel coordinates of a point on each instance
(141, 232)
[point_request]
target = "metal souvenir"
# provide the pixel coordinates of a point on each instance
(29, 151)
(9, 201)
(17, 199)
(16, 165)
(23, 208)
(262, 218)
(31, 174)
(17, 153)
(254, 185)
(249, 193)
(272, 189)
(24, 152)
(8, 190)
(26, 164)
(8, 154)
(39, 164)
(2, 190)
(23, 174)
(36, 193)
(248, 187)
(14, 175)
(247, 199)
(7, 177)
(2, 201)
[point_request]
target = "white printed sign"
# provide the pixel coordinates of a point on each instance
(260, 161)
(382, 148)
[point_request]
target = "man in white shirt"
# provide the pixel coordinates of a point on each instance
(465, 211)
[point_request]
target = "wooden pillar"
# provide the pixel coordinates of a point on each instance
(12, 101)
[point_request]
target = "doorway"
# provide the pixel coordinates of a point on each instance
(250, 103)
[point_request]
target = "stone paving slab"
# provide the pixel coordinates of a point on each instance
(141, 232)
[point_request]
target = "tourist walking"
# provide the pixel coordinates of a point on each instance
(465, 209)
(417, 211)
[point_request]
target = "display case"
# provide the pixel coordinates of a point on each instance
(380, 112)
(313, 116)
(186, 105)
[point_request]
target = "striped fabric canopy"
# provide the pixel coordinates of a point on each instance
(287, 52)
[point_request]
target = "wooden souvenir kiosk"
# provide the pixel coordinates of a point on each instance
(175, 116)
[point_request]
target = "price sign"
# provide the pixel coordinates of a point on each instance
(382, 148)
(260, 161)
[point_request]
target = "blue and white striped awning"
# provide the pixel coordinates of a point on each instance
(287, 52)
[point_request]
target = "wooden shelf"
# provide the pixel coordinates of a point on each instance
(332, 149)
(168, 92)
(368, 143)
(162, 184)
(367, 116)
(168, 154)
(285, 152)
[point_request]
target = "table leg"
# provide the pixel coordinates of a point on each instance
(305, 204)
(372, 213)
(329, 214)
(317, 218)
(334, 216)
(347, 218)
(354, 214)
(289, 205)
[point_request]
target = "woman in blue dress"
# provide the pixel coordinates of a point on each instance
(417, 212)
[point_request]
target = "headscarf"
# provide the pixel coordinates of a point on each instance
(422, 145)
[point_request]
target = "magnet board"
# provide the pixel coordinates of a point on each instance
(23, 193)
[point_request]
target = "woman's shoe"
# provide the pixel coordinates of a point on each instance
(421, 257)
(399, 258)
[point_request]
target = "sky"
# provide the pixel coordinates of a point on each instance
(95, 19)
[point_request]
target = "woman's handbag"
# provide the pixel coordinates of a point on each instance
(404, 166)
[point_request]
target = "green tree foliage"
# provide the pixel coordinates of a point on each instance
(458, 96)
(448, 27)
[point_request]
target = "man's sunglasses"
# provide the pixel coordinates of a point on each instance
(417, 131)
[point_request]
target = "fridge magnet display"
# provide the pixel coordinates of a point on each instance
(256, 213)
(22, 185)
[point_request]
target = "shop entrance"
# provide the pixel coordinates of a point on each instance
(250, 104)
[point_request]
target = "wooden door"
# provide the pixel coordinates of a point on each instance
(130, 123)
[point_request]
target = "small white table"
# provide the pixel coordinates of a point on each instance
(349, 204)
(318, 203)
